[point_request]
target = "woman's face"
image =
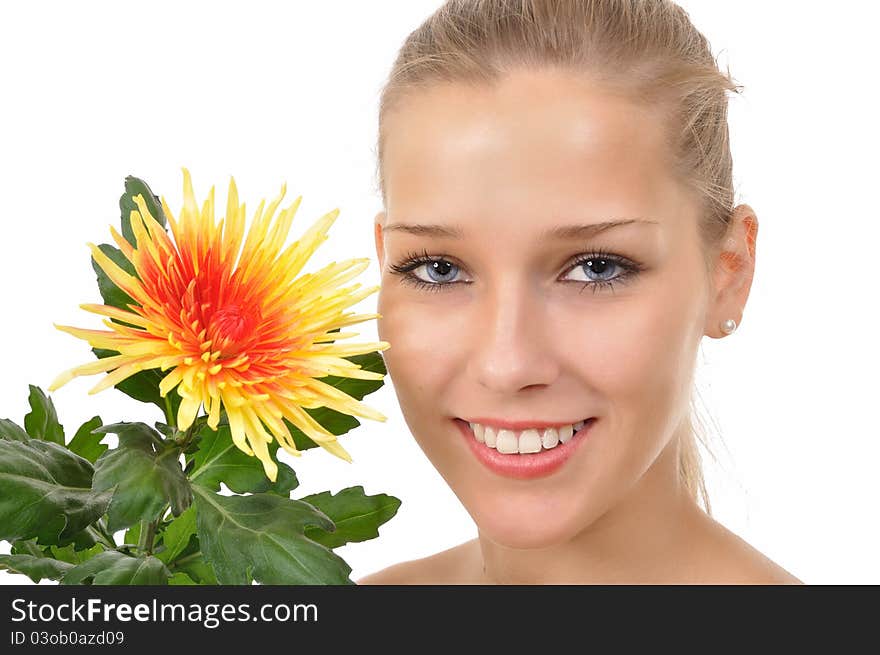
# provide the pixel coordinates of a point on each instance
(513, 323)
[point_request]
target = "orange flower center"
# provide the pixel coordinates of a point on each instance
(233, 329)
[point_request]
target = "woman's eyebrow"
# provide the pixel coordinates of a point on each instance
(559, 232)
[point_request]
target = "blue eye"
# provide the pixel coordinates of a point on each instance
(439, 271)
(601, 266)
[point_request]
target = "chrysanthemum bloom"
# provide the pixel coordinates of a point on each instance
(238, 330)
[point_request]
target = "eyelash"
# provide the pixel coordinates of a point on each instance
(413, 260)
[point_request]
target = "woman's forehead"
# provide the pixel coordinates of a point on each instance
(507, 146)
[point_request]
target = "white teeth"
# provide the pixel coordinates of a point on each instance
(550, 438)
(478, 431)
(507, 442)
(529, 442)
(565, 433)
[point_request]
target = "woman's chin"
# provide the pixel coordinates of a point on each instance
(526, 529)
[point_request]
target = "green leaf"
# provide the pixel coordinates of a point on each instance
(197, 569)
(177, 534)
(169, 431)
(260, 537)
(28, 547)
(46, 492)
(87, 444)
(84, 539)
(12, 431)
(218, 460)
(357, 516)
(132, 535)
(114, 568)
(181, 578)
(36, 568)
(144, 385)
(111, 293)
(145, 474)
(133, 187)
(71, 555)
(42, 421)
(337, 422)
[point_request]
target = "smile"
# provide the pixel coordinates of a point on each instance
(524, 454)
(530, 440)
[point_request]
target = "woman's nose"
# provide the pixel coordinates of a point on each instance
(512, 345)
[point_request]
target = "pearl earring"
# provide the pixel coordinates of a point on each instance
(728, 326)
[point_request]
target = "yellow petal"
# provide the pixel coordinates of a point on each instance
(170, 381)
(186, 413)
(115, 312)
(117, 376)
(335, 448)
(214, 412)
(123, 280)
(237, 429)
(259, 441)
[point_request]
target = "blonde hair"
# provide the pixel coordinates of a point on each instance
(646, 49)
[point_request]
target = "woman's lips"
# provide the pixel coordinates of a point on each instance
(524, 466)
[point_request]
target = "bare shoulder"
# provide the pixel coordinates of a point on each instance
(732, 560)
(446, 567)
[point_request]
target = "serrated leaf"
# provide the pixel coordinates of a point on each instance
(45, 492)
(42, 421)
(357, 517)
(12, 431)
(114, 568)
(36, 568)
(218, 460)
(144, 385)
(29, 547)
(133, 187)
(145, 473)
(260, 537)
(176, 535)
(83, 539)
(73, 556)
(87, 444)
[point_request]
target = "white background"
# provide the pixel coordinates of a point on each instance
(288, 91)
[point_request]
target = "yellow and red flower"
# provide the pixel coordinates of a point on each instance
(235, 323)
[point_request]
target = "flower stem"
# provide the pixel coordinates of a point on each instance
(170, 419)
(148, 533)
(96, 533)
(99, 525)
(190, 433)
(187, 558)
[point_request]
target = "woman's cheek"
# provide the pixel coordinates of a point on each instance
(422, 356)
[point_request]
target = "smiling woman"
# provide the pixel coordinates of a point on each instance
(528, 152)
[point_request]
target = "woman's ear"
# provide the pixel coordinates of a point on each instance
(380, 242)
(733, 271)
